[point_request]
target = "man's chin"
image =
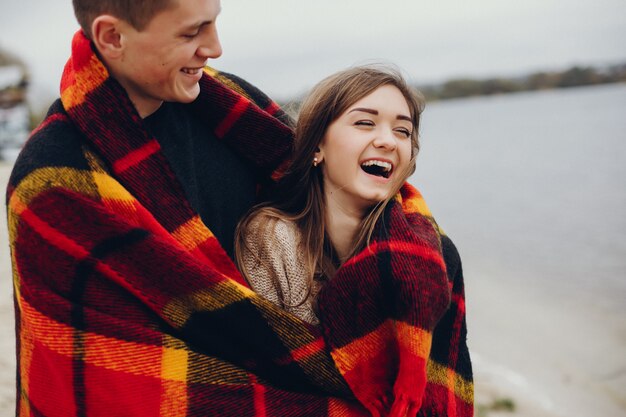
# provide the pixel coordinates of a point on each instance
(188, 95)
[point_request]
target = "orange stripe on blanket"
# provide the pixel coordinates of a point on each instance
(412, 200)
(416, 205)
(114, 354)
(235, 113)
(16, 205)
(174, 399)
(396, 246)
(308, 350)
(417, 341)
(364, 348)
(135, 157)
(85, 80)
(303, 352)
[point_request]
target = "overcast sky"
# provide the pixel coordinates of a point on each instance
(285, 46)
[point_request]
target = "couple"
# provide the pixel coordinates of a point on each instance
(123, 206)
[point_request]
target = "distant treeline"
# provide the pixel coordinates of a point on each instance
(572, 77)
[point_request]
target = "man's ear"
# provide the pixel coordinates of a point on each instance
(106, 36)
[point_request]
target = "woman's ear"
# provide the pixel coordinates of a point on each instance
(106, 36)
(318, 156)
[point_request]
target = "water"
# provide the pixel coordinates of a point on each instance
(532, 187)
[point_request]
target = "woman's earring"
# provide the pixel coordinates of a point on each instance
(315, 161)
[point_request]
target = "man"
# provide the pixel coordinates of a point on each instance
(102, 204)
(122, 208)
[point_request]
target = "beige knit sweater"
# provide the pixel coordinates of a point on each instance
(279, 256)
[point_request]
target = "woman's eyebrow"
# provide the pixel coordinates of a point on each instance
(365, 110)
(375, 112)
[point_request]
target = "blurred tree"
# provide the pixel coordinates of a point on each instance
(579, 76)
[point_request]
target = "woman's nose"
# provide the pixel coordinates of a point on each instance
(385, 139)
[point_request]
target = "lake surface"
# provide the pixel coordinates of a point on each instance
(532, 187)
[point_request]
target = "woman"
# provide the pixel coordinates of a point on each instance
(355, 145)
(345, 170)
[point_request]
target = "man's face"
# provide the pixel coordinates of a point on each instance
(164, 61)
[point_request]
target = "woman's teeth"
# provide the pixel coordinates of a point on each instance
(379, 168)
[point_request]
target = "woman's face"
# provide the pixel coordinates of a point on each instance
(365, 151)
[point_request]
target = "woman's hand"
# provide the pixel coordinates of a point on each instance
(405, 406)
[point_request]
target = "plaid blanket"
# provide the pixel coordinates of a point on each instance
(127, 305)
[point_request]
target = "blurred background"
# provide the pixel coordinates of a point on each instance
(522, 145)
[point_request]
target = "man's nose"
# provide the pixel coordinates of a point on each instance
(210, 47)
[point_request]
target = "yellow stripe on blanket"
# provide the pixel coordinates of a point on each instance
(87, 183)
(208, 299)
(192, 234)
(109, 188)
(442, 375)
(174, 365)
(213, 73)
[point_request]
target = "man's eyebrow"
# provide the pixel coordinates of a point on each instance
(198, 25)
(375, 112)
(204, 22)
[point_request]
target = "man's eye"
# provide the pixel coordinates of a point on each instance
(191, 35)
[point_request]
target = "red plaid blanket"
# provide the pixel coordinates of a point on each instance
(127, 305)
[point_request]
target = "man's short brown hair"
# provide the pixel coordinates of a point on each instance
(136, 12)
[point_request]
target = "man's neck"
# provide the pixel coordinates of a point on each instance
(145, 106)
(145, 111)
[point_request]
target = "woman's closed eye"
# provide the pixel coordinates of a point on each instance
(403, 131)
(364, 123)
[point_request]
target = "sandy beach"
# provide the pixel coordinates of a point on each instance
(549, 359)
